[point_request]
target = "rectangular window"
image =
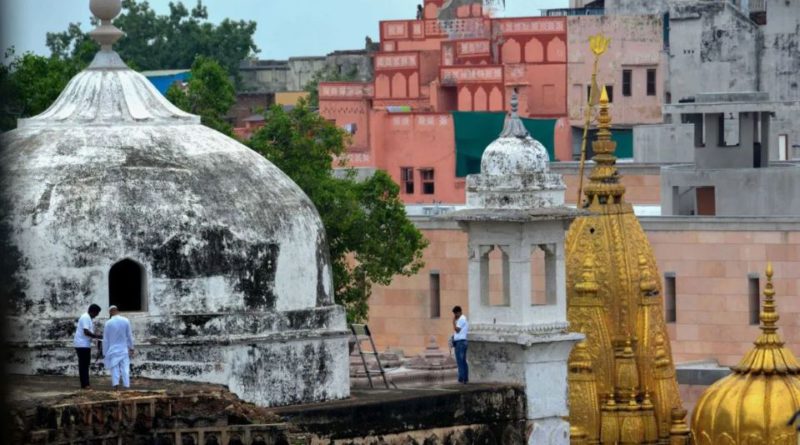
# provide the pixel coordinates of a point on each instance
(610, 92)
(626, 83)
(435, 300)
(651, 82)
(670, 303)
(754, 296)
(783, 147)
(407, 180)
(426, 175)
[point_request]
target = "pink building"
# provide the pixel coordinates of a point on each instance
(632, 69)
(426, 70)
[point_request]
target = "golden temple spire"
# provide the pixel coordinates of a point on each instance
(769, 356)
(604, 186)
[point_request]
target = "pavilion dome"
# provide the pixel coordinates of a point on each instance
(113, 172)
(753, 404)
(515, 152)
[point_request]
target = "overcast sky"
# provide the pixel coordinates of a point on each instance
(285, 27)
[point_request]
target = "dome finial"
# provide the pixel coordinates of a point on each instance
(106, 34)
(769, 316)
(514, 126)
(604, 186)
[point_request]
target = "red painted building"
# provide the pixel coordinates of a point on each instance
(426, 70)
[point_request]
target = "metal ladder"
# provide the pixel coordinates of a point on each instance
(359, 332)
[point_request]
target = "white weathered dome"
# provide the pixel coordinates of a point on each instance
(514, 172)
(515, 152)
(513, 155)
(113, 171)
(114, 196)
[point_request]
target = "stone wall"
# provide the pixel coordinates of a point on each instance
(53, 411)
(713, 47)
(663, 143)
(480, 414)
(271, 76)
(737, 191)
(780, 62)
(711, 258)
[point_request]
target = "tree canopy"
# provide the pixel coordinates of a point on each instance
(209, 94)
(171, 41)
(371, 239)
(30, 83)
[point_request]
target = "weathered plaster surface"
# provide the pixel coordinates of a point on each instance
(237, 286)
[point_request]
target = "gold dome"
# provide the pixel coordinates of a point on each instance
(753, 404)
(622, 385)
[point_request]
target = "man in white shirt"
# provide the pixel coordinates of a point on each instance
(118, 348)
(460, 328)
(84, 334)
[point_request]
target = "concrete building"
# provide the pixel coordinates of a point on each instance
(732, 174)
(116, 197)
(272, 76)
(717, 47)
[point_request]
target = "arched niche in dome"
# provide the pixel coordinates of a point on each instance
(127, 286)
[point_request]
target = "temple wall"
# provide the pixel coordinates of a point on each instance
(711, 260)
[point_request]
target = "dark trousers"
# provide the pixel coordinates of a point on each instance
(461, 361)
(84, 357)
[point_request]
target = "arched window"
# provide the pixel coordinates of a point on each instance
(126, 286)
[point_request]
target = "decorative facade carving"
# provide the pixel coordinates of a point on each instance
(614, 299)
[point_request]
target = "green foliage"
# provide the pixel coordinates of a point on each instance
(209, 94)
(154, 42)
(327, 74)
(29, 84)
(371, 240)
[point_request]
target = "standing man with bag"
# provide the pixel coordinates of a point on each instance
(460, 328)
(118, 348)
(84, 333)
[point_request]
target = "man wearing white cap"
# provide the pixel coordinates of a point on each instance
(118, 348)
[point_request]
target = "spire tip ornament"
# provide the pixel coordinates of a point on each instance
(514, 126)
(106, 34)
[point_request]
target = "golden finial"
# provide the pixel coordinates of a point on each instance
(769, 355)
(604, 187)
(588, 283)
(577, 436)
(646, 282)
(769, 316)
(598, 44)
(604, 119)
(662, 358)
(679, 431)
(580, 361)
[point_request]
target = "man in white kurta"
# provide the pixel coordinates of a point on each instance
(118, 347)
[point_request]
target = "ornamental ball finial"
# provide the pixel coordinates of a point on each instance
(106, 34)
(105, 9)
